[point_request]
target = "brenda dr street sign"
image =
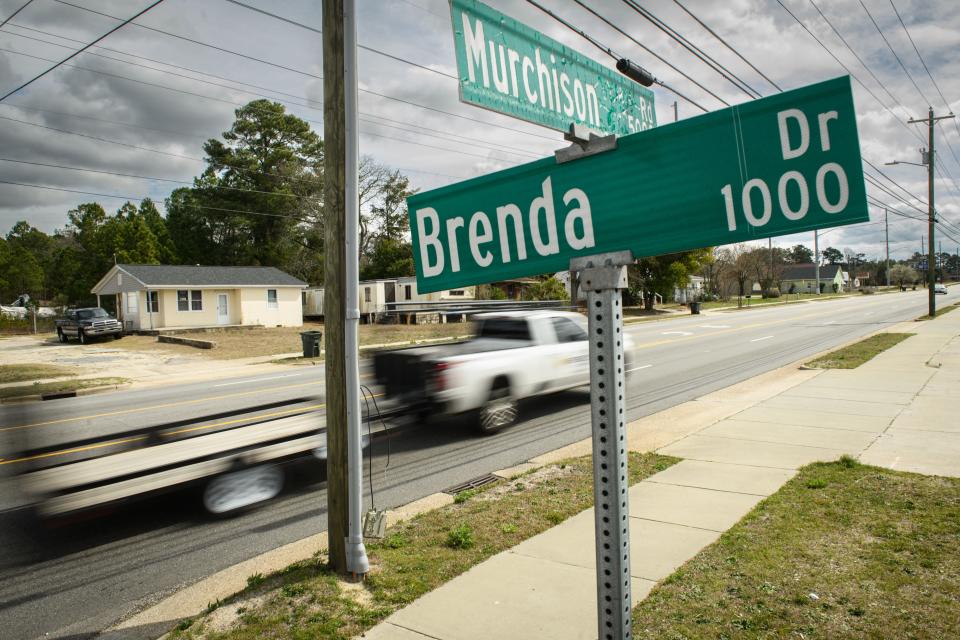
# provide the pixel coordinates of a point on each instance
(507, 67)
(774, 166)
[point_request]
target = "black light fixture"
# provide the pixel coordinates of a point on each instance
(635, 72)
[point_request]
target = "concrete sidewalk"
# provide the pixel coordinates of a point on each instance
(738, 446)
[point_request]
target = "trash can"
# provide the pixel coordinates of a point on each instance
(311, 343)
(695, 308)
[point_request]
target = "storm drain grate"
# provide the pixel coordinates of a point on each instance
(476, 483)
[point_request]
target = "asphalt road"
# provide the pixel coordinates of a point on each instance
(73, 581)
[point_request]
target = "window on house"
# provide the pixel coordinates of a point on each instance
(366, 294)
(456, 292)
(189, 300)
(153, 302)
(406, 292)
(132, 302)
(271, 298)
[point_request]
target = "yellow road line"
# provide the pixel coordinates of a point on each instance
(157, 406)
(64, 452)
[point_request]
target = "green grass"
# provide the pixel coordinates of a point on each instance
(307, 600)
(24, 372)
(841, 551)
(854, 355)
(20, 391)
(940, 311)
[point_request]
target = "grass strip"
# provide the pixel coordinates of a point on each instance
(841, 551)
(940, 312)
(57, 387)
(24, 372)
(308, 601)
(854, 355)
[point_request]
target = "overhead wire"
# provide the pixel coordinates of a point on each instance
(605, 49)
(14, 14)
(298, 71)
(724, 72)
(893, 51)
(648, 50)
(137, 199)
(882, 85)
(122, 24)
(726, 44)
(847, 69)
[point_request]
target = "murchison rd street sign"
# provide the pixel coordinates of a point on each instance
(508, 67)
(774, 166)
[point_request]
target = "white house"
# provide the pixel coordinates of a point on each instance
(151, 297)
(407, 292)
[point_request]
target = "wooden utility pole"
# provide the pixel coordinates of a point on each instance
(335, 279)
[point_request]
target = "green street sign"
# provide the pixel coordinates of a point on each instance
(771, 167)
(508, 67)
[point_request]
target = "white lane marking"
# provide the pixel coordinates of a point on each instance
(829, 322)
(714, 326)
(868, 313)
(227, 384)
(763, 338)
(644, 366)
(676, 333)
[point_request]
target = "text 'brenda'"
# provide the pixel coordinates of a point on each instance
(512, 228)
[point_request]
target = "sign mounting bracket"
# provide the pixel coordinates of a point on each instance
(586, 143)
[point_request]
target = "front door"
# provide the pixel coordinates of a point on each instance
(223, 314)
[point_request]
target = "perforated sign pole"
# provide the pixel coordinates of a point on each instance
(602, 277)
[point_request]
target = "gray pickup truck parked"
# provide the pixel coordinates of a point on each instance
(83, 324)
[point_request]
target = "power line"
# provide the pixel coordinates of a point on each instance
(608, 51)
(732, 78)
(154, 178)
(196, 42)
(79, 51)
(266, 62)
(925, 68)
(727, 45)
(269, 97)
(648, 50)
(899, 61)
(883, 86)
(852, 74)
(359, 46)
(14, 14)
(136, 199)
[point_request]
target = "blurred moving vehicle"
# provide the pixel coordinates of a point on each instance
(83, 324)
(939, 288)
(514, 355)
(233, 468)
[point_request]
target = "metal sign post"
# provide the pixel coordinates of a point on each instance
(603, 276)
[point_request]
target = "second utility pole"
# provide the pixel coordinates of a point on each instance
(931, 269)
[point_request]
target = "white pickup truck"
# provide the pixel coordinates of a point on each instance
(514, 355)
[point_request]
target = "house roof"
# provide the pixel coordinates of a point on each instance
(162, 275)
(808, 271)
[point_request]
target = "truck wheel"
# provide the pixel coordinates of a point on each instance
(499, 411)
(117, 336)
(238, 489)
(82, 337)
(61, 336)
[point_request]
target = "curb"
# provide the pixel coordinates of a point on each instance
(79, 392)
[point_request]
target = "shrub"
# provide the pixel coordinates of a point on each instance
(460, 537)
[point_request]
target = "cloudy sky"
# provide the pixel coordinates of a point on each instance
(144, 101)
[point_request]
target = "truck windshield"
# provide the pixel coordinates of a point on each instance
(86, 314)
(504, 329)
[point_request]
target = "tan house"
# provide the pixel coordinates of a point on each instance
(151, 297)
(407, 292)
